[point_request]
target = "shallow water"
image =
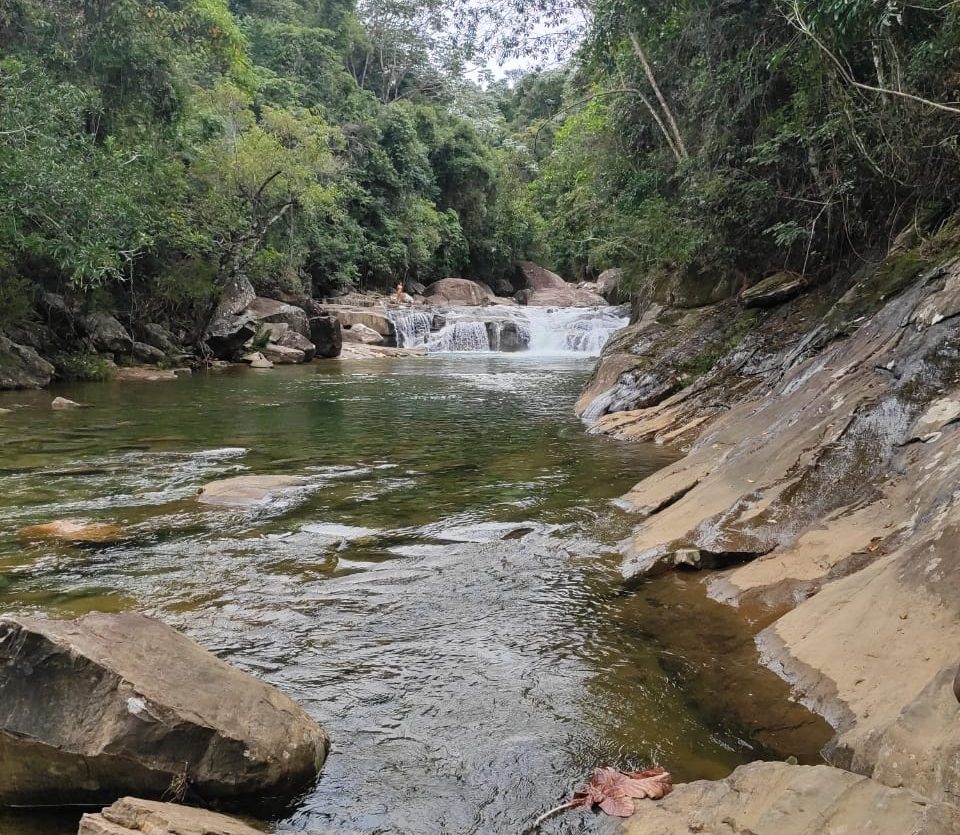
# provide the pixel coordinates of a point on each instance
(442, 595)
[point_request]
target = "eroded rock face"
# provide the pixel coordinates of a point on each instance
(773, 290)
(22, 367)
(131, 815)
(823, 453)
(108, 705)
(458, 291)
(769, 798)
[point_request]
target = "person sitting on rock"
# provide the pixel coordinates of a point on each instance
(399, 297)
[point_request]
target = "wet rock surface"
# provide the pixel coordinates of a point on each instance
(822, 442)
(149, 817)
(122, 704)
(780, 799)
(458, 291)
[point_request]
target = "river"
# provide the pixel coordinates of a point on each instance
(443, 596)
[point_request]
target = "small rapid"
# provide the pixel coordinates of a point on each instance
(539, 331)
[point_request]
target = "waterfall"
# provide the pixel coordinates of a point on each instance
(412, 327)
(460, 337)
(572, 330)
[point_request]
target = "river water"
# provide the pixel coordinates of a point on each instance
(443, 596)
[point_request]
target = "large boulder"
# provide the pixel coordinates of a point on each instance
(373, 319)
(271, 311)
(108, 705)
(159, 337)
(131, 815)
(232, 324)
(280, 355)
(22, 367)
(539, 278)
(514, 337)
(608, 283)
(283, 335)
(458, 291)
(326, 334)
(147, 353)
(362, 334)
(107, 334)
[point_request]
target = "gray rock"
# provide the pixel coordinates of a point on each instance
(773, 290)
(131, 815)
(108, 705)
(416, 288)
(107, 334)
(147, 353)
(608, 283)
(514, 337)
(362, 334)
(271, 311)
(283, 335)
(232, 324)
(503, 287)
(22, 367)
(326, 334)
(281, 355)
(160, 338)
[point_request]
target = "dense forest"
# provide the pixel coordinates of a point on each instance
(152, 149)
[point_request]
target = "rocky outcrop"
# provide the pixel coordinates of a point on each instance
(822, 445)
(131, 815)
(780, 799)
(145, 353)
(108, 705)
(283, 336)
(159, 337)
(458, 291)
(22, 367)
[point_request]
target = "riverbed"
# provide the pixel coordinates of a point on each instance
(443, 594)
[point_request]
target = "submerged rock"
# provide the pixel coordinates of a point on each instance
(244, 490)
(131, 815)
(108, 705)
(22, 367)
(59, 403)
(72, 530)
(770, 798)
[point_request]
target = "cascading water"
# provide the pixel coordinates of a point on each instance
(572, 330)
(412, 327)
(457, 337)
(536, 330)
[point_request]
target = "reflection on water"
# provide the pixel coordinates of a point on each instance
(442, 593)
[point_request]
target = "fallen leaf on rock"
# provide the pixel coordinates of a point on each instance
(614, 791)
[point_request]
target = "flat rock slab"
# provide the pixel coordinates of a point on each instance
(141, 374)
(72, 530)
(131, 815)
(767, 798)
(122, 704)
(245, 490)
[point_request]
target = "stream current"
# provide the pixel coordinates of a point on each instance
(443, 596)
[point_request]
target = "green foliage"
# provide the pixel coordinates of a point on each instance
(82, 367)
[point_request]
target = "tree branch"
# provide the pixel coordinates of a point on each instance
(638, 49)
